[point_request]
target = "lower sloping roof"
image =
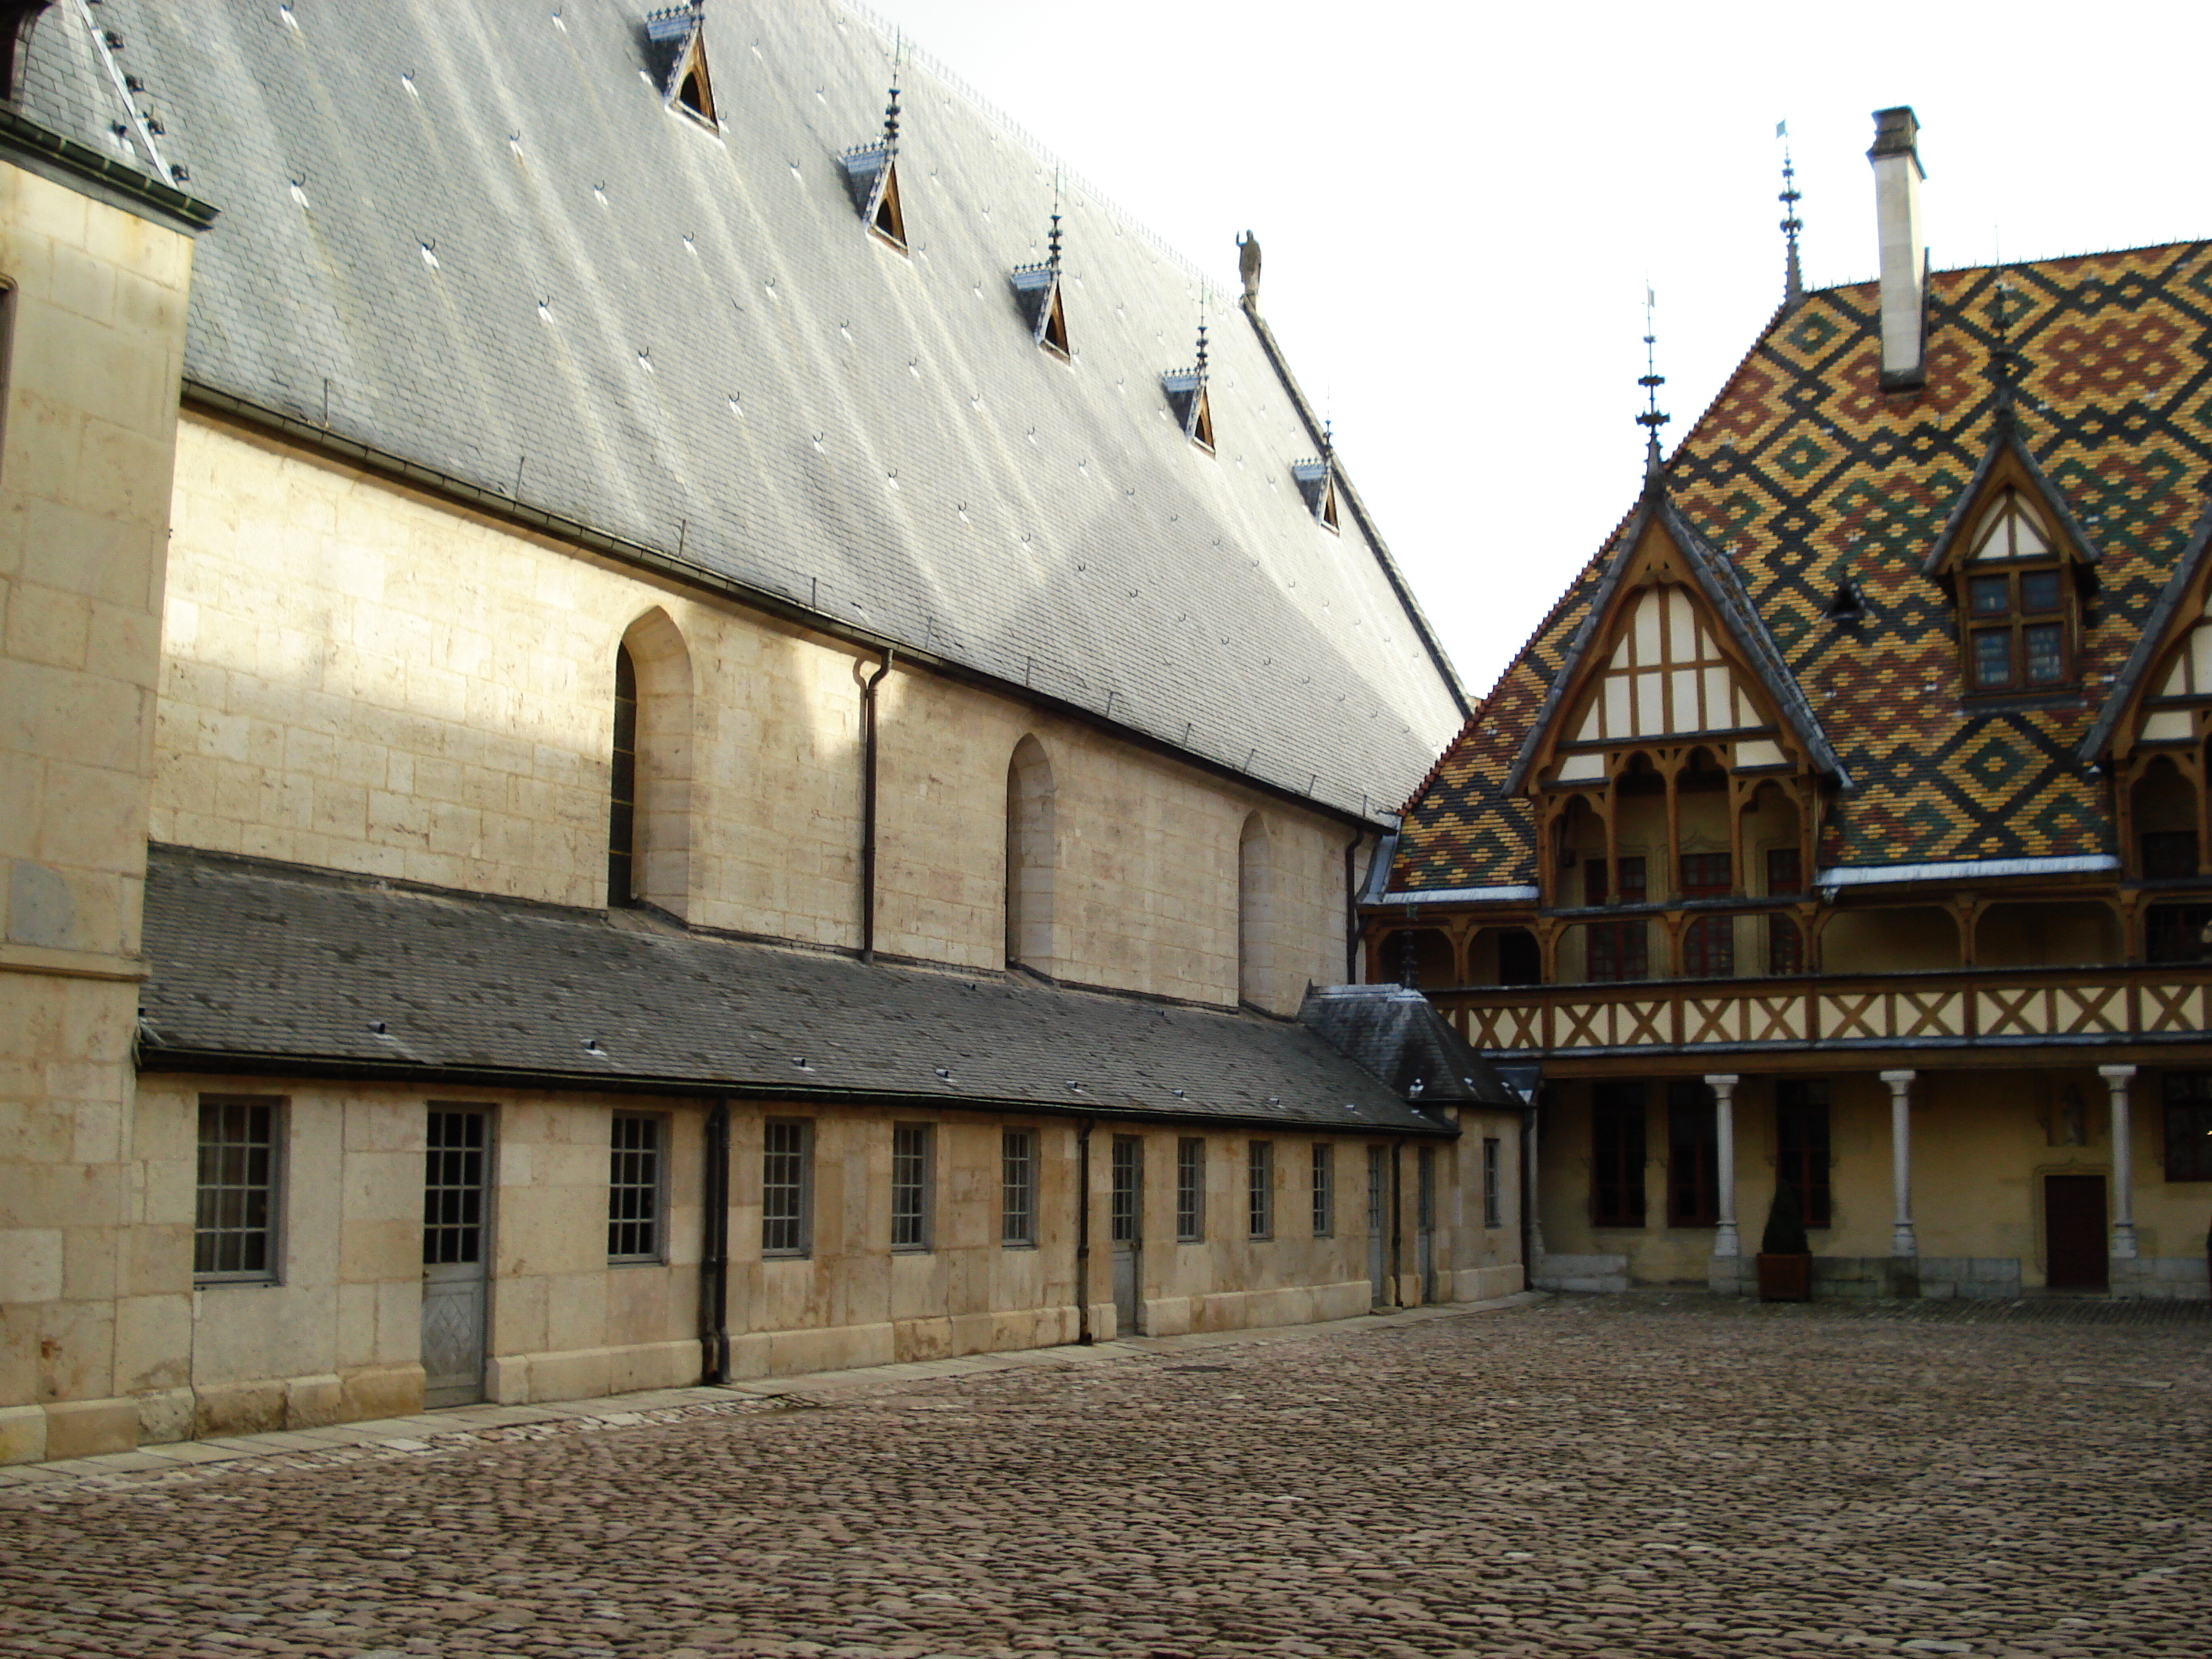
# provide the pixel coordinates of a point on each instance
(275, 967)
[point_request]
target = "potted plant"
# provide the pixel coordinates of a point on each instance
(1785, 1257)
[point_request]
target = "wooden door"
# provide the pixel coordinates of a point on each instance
(1125, 1212)
(2074, 1232)
(1378, 1217)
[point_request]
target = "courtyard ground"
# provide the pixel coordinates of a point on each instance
(1648, 1475)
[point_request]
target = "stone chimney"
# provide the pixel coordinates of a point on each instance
(1897, 177)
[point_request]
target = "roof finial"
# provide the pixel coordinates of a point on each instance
(2001, 354)
(1052, 258)
(891, 114)
(1201, 336)
(1793, 282)
(1651, 379)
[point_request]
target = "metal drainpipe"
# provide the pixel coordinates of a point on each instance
(868, 807)
(1397, 1221)
(1083, 1233)
(1352, 909)
(714, 1252)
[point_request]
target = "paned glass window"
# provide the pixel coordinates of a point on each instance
(786, 1185)
(1017, 1187)
(234, 1232)
(622, 785)
(1801, 1144)
(1493, 1196)
(1693, 1155)
(1708, 942)
(1617, 1155)
(910, 1187)
(2017, 617)
(633, 1189)
(2189, 1126)
(2176, 932)
(1260, 1187)
(1190, 1190)
(1616, 949)
(1124, 1203)
(454, 1167)
(1324, 1189)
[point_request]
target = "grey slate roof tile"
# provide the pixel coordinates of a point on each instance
(453, 369)
(283, 969)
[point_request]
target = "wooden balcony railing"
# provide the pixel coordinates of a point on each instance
(2003, 1007)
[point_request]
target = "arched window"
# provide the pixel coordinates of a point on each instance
(1254, 917)
(649, 776)
(1029, 858)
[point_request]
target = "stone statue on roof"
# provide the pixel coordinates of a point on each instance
(1248, 264)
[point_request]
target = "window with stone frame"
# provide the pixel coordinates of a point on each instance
(1801, 1145)
(1190, 1190)
(1017, 1187)
(1617, 1155)
(911, 1151)
(1693, 1155)
(1324, 1189)
(234, 1227)
(1260, 1187)
(2017, 603)
(2188, 1125)
(787, 1186)
(1708, 942)
(634, 1188)
(1493, 1195)
(1616, 951)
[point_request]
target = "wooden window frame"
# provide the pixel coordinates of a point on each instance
(1693, 1154)
(637, 1187)
(1803, 1145)
(1619, 1150)
(913, 1170)
(2013, 619)
(1259, 1189)
(1017, 1188)
(237, 1230)
(788, 1188)
(1190, 1190)
(1324, 1190)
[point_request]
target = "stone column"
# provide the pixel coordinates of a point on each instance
(2116, 1078)
(1725, 1240)
(1529, 1199)
(1903, 1241)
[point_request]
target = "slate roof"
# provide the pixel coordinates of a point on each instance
(729, 370)
(280, 969)
(1807, 476)
(1399, 1035)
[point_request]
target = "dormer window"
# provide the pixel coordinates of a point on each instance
(677, 34)
(2019, 621)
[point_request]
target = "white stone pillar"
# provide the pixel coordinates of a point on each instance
(1726, 1242)
(1902, 1239)
(2116, 1078)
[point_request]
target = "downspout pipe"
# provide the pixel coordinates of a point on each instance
(1397, 1222)
(1083, 1232)
(868, 806)
(714, 1252)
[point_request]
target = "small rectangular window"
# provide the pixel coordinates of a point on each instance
(911, 1184)
(1493, 1198)
(234, 1235)
(1709, 948)
(634, 1201)
(1705, 875)
(1190, 1190)
(1017, 1187)
(1124, 1201)
(1260, 1183)
(787, 1186)
(1324, 1189)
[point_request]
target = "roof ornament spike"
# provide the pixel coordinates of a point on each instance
(2002, 355)
(1052, 257)
(1793, 282)
(1651, 379)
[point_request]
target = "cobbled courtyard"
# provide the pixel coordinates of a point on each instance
(1646, 1475)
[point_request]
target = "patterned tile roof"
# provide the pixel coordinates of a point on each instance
(1807, 477)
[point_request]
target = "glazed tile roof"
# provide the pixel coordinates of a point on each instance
(276, 969)
(476, 239)
(1807, 476)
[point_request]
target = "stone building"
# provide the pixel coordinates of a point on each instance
(660, 725)
(1845, 820)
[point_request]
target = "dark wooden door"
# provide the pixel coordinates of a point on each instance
(2074, 1231)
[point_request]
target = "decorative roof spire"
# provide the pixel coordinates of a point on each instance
(1651, 379)
(1793, 282)
(1052, 243)
(2002, 357)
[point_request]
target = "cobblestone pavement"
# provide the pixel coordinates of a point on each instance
(1643, 1475)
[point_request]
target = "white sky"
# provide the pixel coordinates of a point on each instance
(1459, 206)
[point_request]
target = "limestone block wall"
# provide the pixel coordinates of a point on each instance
(92, 316)
(365, 678)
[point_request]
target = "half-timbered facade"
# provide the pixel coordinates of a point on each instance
(1846, 820)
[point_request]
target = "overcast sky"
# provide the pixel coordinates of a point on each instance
(1460, 206)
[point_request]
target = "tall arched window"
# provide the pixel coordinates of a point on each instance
(1255, 932)
(649, 776)
(1029, 858)
(622, 785)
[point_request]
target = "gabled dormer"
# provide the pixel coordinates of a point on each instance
(1187, 400)
(871, 177)
(1317, 481)
(678, 36)
(1036, 290)
(1675, 756)
(2017, 566)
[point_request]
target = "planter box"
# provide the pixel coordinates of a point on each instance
(1785, 1279)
